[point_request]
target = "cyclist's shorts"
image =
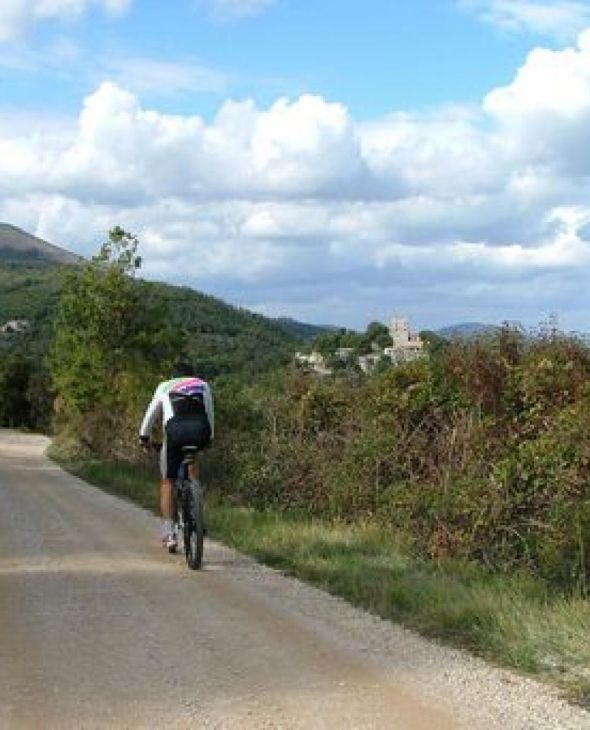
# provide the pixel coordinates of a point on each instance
(194, 431)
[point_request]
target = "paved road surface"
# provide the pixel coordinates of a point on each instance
(100, 628)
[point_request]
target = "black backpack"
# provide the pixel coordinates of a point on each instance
(188, 405)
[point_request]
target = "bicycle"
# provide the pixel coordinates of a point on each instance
(188, 510)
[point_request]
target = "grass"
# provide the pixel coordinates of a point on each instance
(511, 620)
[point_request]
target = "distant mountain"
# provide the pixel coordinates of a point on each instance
(301, 330)
(466, 329)
(18, 246)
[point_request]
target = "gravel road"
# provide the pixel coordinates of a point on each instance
(101, 628)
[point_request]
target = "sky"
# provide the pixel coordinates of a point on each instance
(337, 162)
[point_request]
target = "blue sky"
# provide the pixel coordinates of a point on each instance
(336, 161)
(374, 57)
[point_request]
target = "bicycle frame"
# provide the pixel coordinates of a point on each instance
(188, 507)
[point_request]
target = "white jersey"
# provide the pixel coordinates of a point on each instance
(164, 395)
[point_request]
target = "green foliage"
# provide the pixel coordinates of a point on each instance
(109, 346)
(480, 451)
(328, 342)
(222, 339)
(300, 330)
(30, 292)
(25, 392)
(14, 379)
(116, 329)
(379, 334)
(375, 337)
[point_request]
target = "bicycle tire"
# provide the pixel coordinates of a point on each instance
(193, 525)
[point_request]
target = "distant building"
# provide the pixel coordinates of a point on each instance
(14, 326)
(314, 361)
(344, 353)
(368, 363)
(406, 344)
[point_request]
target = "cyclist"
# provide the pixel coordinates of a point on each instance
(185, 405)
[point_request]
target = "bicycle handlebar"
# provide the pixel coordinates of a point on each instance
(149, 445)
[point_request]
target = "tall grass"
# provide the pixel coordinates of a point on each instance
(510, 619)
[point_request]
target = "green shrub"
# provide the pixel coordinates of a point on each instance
(479, 452)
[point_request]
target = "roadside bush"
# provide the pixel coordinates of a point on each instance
(481, 452)
(109, 347)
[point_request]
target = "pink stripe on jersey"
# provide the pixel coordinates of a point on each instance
(188, 384)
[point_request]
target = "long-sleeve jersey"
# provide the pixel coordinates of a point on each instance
(162, 403)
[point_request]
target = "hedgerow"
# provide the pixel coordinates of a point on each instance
(480, 451)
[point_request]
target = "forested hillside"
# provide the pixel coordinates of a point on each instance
(221, 338)
(213, 337)
(29, 291)
(302, 330)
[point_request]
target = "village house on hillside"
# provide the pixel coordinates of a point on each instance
(315, 362)
(405, 345)
(14, 326)
(368, 363)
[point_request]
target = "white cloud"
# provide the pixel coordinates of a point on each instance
(226, 10)
(302, 148)
(550, 82)
(163, 77)
(465, 209)
(545, 112)
(60, 55)
(116, 7)
(563, 249)
(561, 19)
(141, 75)
(16, 16)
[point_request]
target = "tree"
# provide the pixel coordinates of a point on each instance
(379, 334)
(108, 343)
(434, 342)
(15, 372)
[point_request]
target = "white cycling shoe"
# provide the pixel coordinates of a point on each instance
(169, 536)
(171, 542)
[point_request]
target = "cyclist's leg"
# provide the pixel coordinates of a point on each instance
(200, 437)
(167, 456)
(193, 469)
(166, 506)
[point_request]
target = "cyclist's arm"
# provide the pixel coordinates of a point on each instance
(208, 401)
(153, 411)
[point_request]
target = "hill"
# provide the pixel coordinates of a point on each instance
(222, 339)
(466, 329)
(302, 330)
(18, 246)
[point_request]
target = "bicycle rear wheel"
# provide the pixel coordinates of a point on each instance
(193, 525)
(176, 515)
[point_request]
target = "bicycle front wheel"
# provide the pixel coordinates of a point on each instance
(194, 525)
